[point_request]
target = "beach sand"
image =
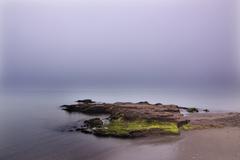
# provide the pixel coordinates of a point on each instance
(207, 144)
(210, 144)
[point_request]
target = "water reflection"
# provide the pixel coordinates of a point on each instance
(30, 125)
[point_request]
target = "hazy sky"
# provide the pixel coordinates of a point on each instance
(119, 42)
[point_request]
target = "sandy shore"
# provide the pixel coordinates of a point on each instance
(207, 144)
(210, 144)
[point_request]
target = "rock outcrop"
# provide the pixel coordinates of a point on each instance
(128, 119)
(129, 111)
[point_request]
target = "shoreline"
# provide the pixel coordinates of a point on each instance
(212, 143)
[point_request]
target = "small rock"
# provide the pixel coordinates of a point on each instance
(95, 122)
(206, 110)
(70, 130)
(86, 101)
(143, 102)
(87, 130)
(79, 129)
(192, 110)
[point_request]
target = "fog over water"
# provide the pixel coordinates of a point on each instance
(119, 43)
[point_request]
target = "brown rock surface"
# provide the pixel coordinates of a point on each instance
(130, 111)
(214, 120)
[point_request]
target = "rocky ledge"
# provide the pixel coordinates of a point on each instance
(126, 119)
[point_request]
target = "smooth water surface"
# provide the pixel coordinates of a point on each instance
(31, 124)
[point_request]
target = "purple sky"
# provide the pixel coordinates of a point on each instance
(125, 42)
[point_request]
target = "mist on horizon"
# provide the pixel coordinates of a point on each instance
(119, 43)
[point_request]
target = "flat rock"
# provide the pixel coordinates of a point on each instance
(130, 111)
(214, 120)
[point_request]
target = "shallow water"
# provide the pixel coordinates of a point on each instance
(31, 124)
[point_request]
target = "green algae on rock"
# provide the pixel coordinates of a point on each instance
(187, 127)
(136, 128)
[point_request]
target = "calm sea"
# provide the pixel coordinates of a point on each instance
(31, 123)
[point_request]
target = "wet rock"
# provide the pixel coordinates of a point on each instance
(78, 129)
(89, 108)
(130, 111)
(95, 122)
(86, 130)
(206, 110)
(185, 108)
(85, 101)
(183, 122)
(214, 120)
(192, 110)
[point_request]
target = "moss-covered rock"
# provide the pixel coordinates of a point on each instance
(136, 128)
(187, 127)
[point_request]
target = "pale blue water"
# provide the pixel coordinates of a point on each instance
(31, 123)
